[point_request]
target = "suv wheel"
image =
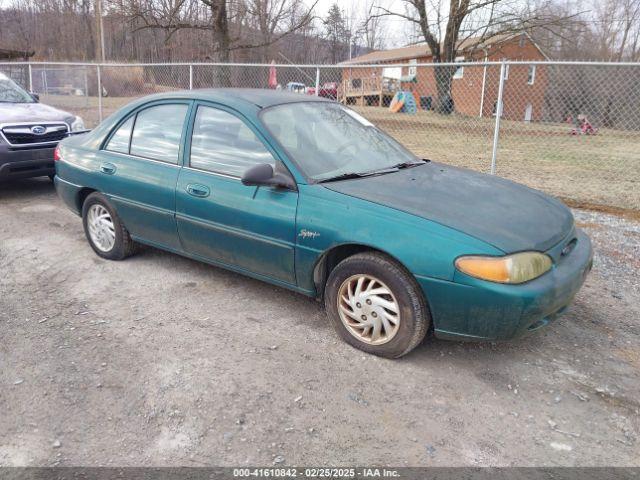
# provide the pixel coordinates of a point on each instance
(376, 305)
(104, 230)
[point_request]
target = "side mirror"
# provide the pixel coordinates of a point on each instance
(35, 96)
(263, 175)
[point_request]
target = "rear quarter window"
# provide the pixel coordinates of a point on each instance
(119, 141)
(157, 132)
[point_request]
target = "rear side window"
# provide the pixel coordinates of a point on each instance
(157, 132)
(120, 139)
(223, 143)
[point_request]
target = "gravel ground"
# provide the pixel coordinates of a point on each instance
(160, 360)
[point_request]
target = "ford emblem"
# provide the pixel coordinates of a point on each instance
(38, 130)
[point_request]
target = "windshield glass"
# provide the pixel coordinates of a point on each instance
(10, 92)
(328, 140)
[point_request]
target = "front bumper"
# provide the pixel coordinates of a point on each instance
(25, 162)
(472, 309)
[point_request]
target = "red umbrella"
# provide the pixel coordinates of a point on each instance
(273, 77)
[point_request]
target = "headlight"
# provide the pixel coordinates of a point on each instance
(77, 125)
(516, 268)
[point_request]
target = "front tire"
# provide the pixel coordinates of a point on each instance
(376, 306)
(104, 231)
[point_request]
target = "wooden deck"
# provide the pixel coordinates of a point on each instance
(371, 91)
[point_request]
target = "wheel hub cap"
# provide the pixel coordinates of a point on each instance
(368, 309)
(101, 229)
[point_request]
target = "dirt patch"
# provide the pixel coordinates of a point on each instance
(160, 360)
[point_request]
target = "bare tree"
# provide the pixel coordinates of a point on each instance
(268, 20)
(167, 30)
(372, 26)
(444, 24)
(617, 27)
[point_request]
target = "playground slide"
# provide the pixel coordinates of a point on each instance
(397, 103)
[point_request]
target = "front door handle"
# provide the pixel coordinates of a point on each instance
(108, 168)
(197, 190)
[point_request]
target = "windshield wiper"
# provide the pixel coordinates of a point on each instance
(344, 176)
(350, 175)
(391, 169)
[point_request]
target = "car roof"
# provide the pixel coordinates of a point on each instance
(256, 96)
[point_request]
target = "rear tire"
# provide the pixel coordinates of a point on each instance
(375, 305)
(104, 231)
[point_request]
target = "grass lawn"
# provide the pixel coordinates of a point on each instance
(600, 171)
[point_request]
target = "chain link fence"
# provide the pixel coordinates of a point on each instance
(571, 129)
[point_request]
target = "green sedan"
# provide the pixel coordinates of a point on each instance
(306, 194)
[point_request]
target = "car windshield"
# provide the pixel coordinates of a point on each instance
(329, 141)
(10, 92)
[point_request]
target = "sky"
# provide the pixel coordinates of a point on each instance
(396, 27)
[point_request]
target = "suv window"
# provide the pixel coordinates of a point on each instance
(223, 143)
(157, 132)
(119, 141)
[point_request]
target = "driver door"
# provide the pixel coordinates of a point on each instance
(219, 218)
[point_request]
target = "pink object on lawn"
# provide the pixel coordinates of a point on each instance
(273, 76)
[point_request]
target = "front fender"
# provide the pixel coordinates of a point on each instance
(327, 219)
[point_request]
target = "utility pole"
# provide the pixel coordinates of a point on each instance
(99, 32)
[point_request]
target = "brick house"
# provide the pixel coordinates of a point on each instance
(474, 89)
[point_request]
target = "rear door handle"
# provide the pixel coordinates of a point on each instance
(197, 190)
(108, 168)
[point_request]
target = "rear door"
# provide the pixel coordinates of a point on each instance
(139, 168)
(219, 218)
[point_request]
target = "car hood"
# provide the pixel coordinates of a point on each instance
(507, 215)
(31, 112)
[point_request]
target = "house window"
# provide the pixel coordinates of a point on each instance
(460, 70)
(522, 40)
(413, 70)
(531, 76)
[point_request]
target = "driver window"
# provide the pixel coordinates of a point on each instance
(222, 143)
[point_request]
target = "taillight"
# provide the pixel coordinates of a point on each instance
(56, 154)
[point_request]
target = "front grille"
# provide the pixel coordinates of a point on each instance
(23, 134)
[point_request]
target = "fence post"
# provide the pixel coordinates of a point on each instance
(86, 87)
(496, 132)
(45, 84)
(30, 78)
(99, 93)
(317, 81)
(484, 82)
(190, 77)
